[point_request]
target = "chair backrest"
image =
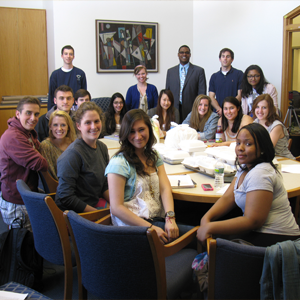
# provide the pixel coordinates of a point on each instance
(46, 237)
(234, 270)
(49, 183)
(102, 102)
(116, 262)
(290, 144)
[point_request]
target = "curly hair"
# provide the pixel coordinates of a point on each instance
(195, 121)
(128, 150)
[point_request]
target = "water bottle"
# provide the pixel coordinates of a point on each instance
(219, 174)
(219, 133)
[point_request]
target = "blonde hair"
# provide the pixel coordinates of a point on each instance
(71, 131)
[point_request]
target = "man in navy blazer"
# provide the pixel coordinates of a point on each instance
(194, 83)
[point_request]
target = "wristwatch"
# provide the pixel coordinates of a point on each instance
(170, 214)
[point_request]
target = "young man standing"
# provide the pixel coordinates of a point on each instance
(20, 159)
(186, 81)
(64, 100)
(226, 82)
(66, 75)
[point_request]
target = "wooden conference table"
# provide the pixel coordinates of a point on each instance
(197, 194)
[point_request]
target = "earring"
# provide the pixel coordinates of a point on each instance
(261, 153)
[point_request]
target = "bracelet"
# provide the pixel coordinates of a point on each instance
(150, 226)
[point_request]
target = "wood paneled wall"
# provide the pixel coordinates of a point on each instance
(23, 52)
(23, 56)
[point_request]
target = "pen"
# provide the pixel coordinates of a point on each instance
(178, 182)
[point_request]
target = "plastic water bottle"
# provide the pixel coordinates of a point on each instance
(219, 174)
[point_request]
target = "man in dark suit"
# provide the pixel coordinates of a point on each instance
(186, 81)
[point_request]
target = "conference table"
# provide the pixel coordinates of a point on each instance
(197, 194)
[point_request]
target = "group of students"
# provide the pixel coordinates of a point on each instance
(134, 180)
(135, 184)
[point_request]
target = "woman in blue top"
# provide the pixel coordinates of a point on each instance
(141, 95)
(140, 191)
(202, 118)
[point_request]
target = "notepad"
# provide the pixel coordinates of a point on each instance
(181, 181)
(4, 295)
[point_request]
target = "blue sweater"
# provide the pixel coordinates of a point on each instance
(75, 79)
(133, 96)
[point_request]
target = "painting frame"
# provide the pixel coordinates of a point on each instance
(122, 45)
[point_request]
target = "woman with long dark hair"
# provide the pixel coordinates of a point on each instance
(165, 110)
(140, 191)
(232, 120)
(258, 190)
(254, 84)
(114, 115)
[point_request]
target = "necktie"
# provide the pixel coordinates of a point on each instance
(182, 79)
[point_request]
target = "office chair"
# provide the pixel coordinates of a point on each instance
(129, 262)
(234, 270)
(51, 238)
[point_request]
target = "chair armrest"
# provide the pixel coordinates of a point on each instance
(180, 243)
(95, 215)
(105, 220)
(52, 195)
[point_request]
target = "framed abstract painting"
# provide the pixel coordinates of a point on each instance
(122, 45)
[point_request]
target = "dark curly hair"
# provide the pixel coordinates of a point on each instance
(128, 150)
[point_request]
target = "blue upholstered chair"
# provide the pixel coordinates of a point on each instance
(102, 102)
(130, 262)
(49, 184)
(51, 238)
(234, 270)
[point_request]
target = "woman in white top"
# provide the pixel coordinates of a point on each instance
(231, 121)
(140, 191)
(258, 190)
(254, 84)
(265, 113)
(114, 115)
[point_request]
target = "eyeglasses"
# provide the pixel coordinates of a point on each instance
(118, 103)
(253, 76)
(184, 52)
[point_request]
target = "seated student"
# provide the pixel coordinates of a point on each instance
(20, 159)
(61, 135)
(231, 121)
(140, 191)
(265, 113)
(80, 169)
(165, 110)
(114, 115)
(80, 97)
(258, 190)
(202, 118)
(63, 99)
(142, 95)
(253, 85)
